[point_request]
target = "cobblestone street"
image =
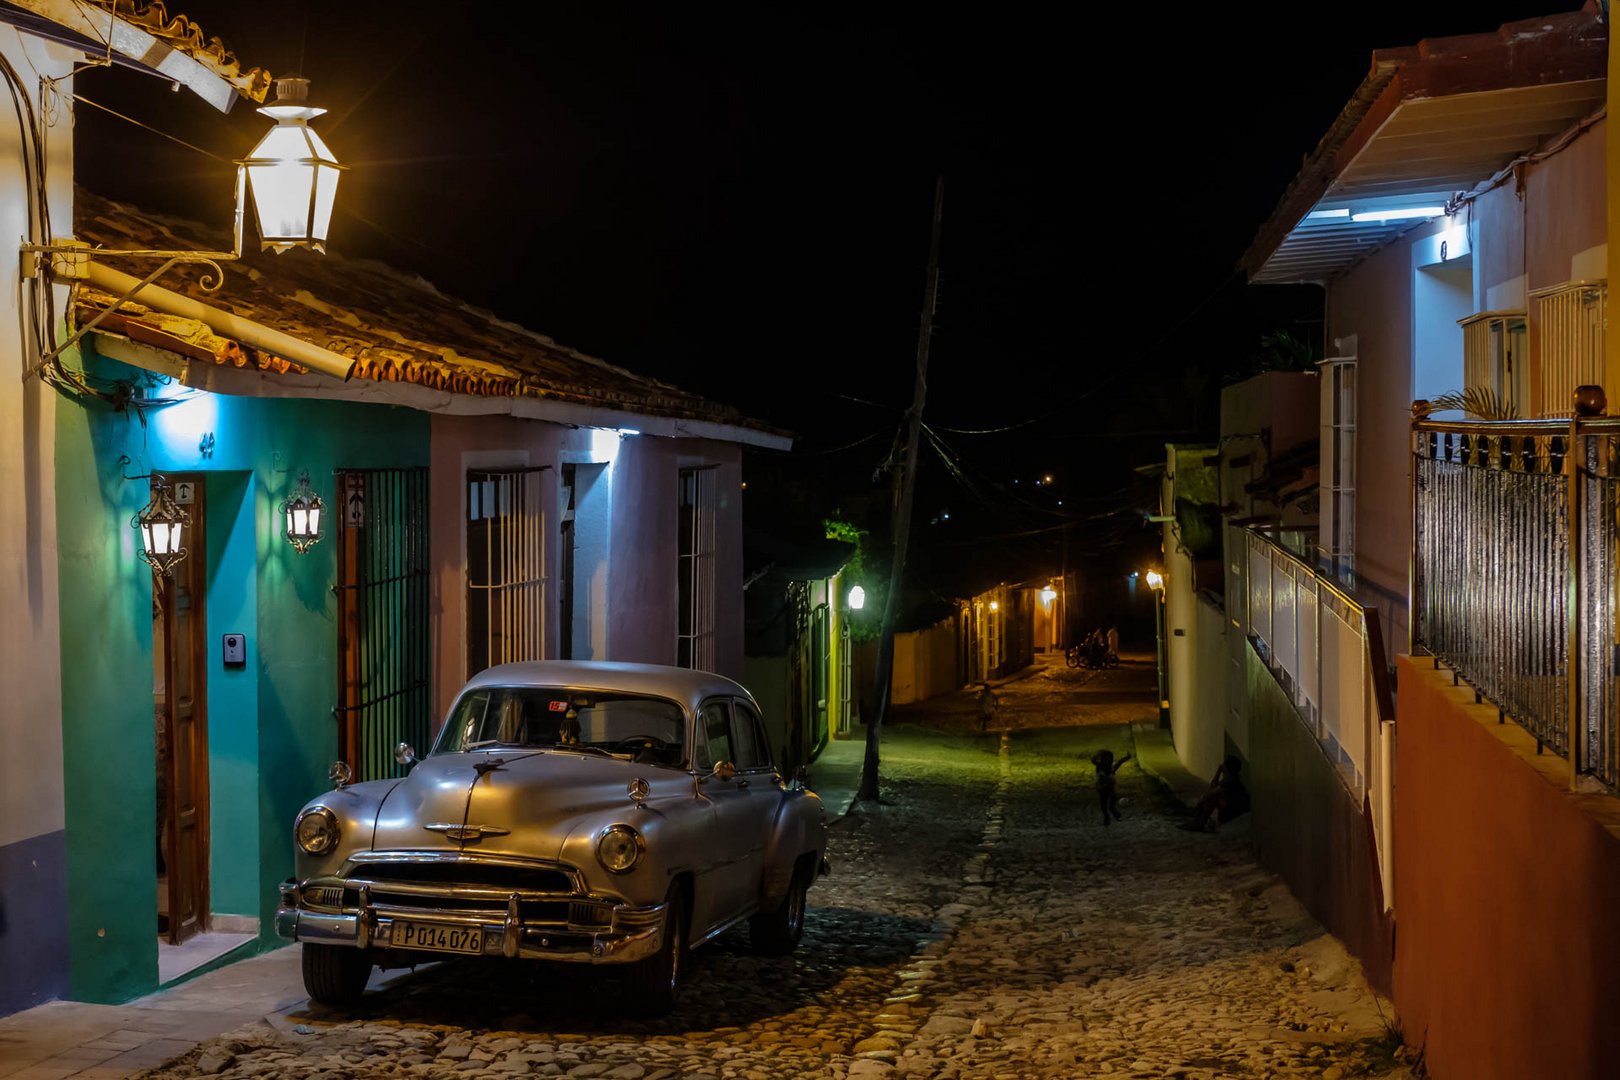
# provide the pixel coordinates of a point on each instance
(979, 922)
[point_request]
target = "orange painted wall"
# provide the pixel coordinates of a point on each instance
(1507, 897)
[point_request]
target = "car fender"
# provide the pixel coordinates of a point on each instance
(799, 827)
(356, 807)
(670, 830)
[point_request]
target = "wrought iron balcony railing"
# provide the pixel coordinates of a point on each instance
(1515, 557)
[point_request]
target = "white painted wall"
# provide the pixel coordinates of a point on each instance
(1442, 293)
(30, 649)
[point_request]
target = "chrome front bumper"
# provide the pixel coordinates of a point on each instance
(637, 933)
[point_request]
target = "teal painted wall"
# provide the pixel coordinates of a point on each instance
(271, 732)
(233, 695)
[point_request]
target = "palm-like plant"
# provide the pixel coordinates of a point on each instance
(1479, 402)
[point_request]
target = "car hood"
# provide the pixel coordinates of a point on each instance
(524, 806)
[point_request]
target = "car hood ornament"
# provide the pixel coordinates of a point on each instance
(465, 832)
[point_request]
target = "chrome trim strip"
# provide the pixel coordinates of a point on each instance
(599, 948)
(753, 909)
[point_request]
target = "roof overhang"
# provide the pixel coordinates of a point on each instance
(171, 356)
(143, 37)
(1430, 122)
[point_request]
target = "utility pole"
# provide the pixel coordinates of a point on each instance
(905, 484)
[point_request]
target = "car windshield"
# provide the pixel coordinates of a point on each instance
(647, 729)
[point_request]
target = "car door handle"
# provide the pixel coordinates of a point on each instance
(742, 781)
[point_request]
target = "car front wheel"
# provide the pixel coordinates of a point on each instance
(777, 933)
(335, 974)
(651, 985)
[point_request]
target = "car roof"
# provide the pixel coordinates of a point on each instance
(684, 685)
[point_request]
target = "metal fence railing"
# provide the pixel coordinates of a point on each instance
(1325, 649)
(1516, 570)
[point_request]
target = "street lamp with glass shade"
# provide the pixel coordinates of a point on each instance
(292, 173)
(161, 524)
(302, 511)
(857, 598)
(1155, 582)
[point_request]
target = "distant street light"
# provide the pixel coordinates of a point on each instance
(1155, 582)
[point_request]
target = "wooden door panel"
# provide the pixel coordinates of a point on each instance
(184, 630)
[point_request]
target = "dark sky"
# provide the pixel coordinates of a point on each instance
(736, 198)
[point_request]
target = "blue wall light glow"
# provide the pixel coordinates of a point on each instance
(180, 427)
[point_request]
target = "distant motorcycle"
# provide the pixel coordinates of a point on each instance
(1093, 653)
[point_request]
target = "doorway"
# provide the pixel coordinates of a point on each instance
(180, 722)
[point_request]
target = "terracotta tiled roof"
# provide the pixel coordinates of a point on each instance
(185, 36)
(396, 327)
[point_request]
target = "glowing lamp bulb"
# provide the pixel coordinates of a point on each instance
(1048, 594)
(857, 598)
(1155, 579)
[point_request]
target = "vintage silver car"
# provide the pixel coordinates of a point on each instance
(585, 812)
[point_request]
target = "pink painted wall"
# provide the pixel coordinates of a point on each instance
(1498, 236)
(640, 595)
(1374, 302)
(1566, 212)
(642, 587)
(458, 443)
(1507, 960)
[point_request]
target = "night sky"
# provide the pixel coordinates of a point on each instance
(736, 199)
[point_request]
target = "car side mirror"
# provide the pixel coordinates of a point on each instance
(723, 770)
(405, 754)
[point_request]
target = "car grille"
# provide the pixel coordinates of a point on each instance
(466, 888)
(478, 875)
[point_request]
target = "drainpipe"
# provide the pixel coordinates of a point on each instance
(222, 322)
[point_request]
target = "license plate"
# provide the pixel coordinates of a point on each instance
(454, 939)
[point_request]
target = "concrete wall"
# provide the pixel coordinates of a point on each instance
(271, 736)
(1309, 827)
(1201, 740)
(925, 663)
(33, 844)
(1508, 960)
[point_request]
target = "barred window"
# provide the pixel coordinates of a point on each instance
(505, 567)
(695, 572)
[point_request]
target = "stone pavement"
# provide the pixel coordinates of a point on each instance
(980, 922)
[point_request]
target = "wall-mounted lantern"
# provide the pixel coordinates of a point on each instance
(161, 524)
(857, 598)
(292, 173)
(293, 178)
(302, 511)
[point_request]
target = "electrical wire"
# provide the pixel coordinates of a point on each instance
(148, 127)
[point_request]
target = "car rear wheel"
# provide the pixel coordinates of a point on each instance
(652, 984)
(777, 933)
(335, 974)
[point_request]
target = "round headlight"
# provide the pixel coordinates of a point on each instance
(618, 848)
(316, 830)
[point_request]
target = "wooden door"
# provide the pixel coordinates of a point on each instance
(179, 635)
